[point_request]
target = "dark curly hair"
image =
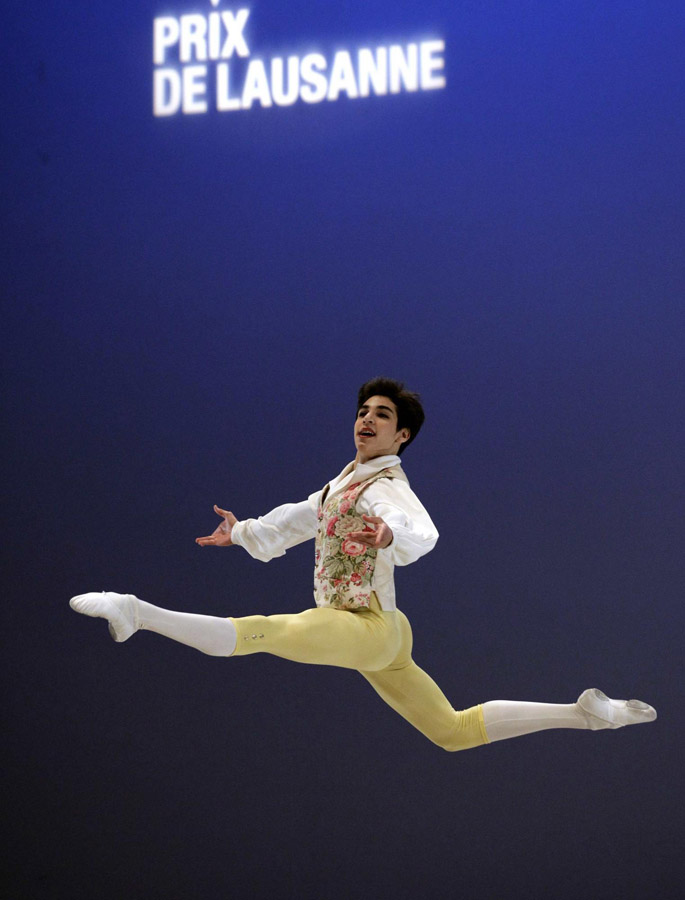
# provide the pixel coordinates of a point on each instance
(410, 412)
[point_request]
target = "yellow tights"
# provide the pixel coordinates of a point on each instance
(378, 645)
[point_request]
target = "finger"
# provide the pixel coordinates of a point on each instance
(221, 512)
(376, 519)
(205, 540)
(363, 537)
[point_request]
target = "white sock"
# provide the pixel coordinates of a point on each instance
(513, 718)
(593, 710)
(210, 634)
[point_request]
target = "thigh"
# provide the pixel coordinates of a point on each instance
(413, 694)
(323, 636)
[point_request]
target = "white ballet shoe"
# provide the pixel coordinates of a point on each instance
(603, 712)
(119, 609)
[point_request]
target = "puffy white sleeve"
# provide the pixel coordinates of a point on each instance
(414, 534)
(279, 530)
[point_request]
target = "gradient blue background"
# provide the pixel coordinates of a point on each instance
(190, 305)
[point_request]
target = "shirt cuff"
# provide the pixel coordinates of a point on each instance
(235, 534)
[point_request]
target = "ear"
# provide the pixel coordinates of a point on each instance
(404, 434)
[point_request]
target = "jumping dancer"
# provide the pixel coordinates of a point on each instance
(365, 521)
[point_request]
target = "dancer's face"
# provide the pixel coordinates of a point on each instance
(375, 430)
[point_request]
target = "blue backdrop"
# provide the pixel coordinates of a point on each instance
(192, 301)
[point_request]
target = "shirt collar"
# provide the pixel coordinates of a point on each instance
(353, 472)
(363, 470)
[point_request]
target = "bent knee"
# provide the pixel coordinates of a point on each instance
(466, 732)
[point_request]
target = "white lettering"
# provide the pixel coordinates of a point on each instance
(282, 97)
(194, 88)
(182, 46)
(429, 64)
(256, 85)
(224, 101)
(166, 92)
(311, 69)
(373, 71)
(235, 42)
(214, 35)
(193, 31)
(342, 77)
(165, 34)
(404, 68)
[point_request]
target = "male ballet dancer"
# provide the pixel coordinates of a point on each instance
(364, 522)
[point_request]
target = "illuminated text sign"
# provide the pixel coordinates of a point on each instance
(205, 61)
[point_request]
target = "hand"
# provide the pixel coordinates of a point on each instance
(221, 537)
(376, 535)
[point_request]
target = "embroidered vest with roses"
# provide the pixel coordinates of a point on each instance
(343, 571)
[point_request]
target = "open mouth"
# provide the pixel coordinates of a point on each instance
(367, 433)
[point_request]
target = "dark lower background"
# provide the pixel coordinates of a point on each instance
(190, 305)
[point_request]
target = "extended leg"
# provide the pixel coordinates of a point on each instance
(366, 639)
(415, 696)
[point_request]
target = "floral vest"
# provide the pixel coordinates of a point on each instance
(343, 571)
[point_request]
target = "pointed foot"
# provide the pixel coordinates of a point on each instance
(603, 712)
(118, 609)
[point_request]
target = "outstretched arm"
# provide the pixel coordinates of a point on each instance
(221, 536)
(270, 535)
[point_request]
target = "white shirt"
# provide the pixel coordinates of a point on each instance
(391, 499)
